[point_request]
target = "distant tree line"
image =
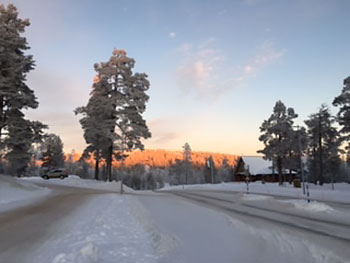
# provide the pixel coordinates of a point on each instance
(322, 141)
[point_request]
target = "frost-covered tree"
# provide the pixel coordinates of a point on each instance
(16, 133)
(96, 123)
(343, 116)
(324, 143)
(297, 146)
(15, 95)
(187, 155)
(52, 151)
(276, 132)
(120, 99)
(21, 135)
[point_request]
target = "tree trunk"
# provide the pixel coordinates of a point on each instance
(109, 163)
(97, 159)
(279, 168)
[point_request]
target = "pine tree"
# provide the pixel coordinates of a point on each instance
(22, 134)
(52, 151)
(187, 153)
(324, 143)
(297, 141)
(119, 101)
(96, 125)
(343, 116)
(276, 132)
(14, 65)
(16, 133)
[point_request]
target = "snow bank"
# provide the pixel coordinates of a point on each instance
(15, 192)
(310, 207)
(253, 197)
(76, 181)
(103, 230)
(320, 193)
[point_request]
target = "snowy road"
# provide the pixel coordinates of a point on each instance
(213, 226)
(84, 221)
(21, 230)
(337, 228)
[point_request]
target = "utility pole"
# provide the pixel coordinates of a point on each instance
(320, 148)
(210, 166)
(212, 169)
(301, 160)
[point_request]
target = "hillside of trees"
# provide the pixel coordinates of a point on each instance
(165, 158)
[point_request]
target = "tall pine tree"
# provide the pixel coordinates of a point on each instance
(16, 133)
(119, 100)
(343, 116)
(324, 143)
(14, 66)
(276, 132)
(52, 151)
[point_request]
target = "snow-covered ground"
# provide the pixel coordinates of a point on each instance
(103, 230)
(106, 228)
(152, 227)
(321, 193)
(15, 192)
(76, 181)
(204, 235)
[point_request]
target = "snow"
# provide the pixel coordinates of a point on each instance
(149, 227)
(205, 235)
(310, 207)
(15, 192)
(76, 181)
(103, 230)
(319, 193)
(257, 165)
(252, 197)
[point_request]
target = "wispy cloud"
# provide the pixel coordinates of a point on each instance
(266, 55)
(172, 34)
(197, 69)
(205, 71)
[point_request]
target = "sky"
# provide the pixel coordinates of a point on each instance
(216, 67)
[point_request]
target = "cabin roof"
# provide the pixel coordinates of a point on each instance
(257, 165)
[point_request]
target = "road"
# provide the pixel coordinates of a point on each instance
(23, 229)
(335, 228)
(201, 226)
(296, 231)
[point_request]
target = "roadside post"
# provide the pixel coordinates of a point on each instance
(307, 189)
(247, 178)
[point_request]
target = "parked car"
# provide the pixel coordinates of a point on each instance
(56, 173)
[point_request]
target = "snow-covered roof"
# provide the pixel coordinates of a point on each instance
(257, 165)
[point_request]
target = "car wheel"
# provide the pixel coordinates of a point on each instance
(45, 177)
(62, 177)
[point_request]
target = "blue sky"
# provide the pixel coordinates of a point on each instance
(216, 67)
